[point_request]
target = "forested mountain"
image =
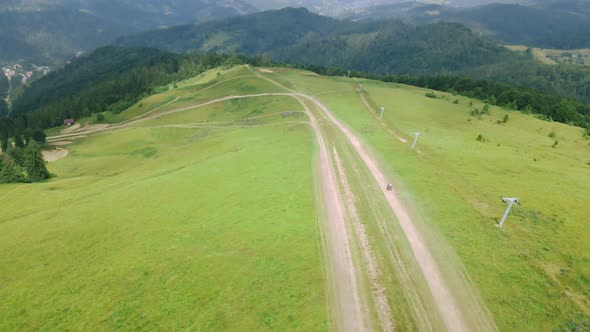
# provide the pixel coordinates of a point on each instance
(52, 33)
(381, 47)
(562, 24)
(48, 30)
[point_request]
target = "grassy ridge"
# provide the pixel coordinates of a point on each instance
(166, 228)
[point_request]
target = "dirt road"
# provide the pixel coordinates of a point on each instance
(349, 304)
(344, 297)
(447, 305)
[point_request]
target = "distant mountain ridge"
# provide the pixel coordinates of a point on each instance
(48, 30)
(295, 35)
(560, 24)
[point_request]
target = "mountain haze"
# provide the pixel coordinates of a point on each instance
(54, 30)
(549, 24)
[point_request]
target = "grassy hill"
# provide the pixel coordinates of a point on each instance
(165, 253)
(198, 208)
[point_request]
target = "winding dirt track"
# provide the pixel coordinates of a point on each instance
(450, 313)
(348, 305)
(345, 302)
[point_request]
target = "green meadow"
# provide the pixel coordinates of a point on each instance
(533, 274)
(161, 228)
(205, 218)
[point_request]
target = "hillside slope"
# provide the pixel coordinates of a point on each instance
(194, 199)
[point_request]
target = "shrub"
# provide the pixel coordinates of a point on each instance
(506, 118)
(120, 106)
(39, 135)
(34, 163)
(456, 101)
(430, 95)
(552, 134)
(480, 138)
(99, 117)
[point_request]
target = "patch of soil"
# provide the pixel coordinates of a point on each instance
(70, 129)
(61, 143)
(95, 127)
(54, 155)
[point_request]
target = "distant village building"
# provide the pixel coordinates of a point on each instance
(69, 122)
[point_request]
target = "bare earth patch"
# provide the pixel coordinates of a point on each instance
(379, 293)
(95, 127)
(70, 129)
(54, 155)
(61, 143)
(265, 70)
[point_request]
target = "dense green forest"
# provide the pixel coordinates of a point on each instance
(294, 35)
(3, 108)
(4, 86)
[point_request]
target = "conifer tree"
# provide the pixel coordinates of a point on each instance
(34, 163)
(4, 141)
(18, 141)
(11, 172)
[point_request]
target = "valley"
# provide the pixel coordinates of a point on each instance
(251, 198)
(17, 75)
